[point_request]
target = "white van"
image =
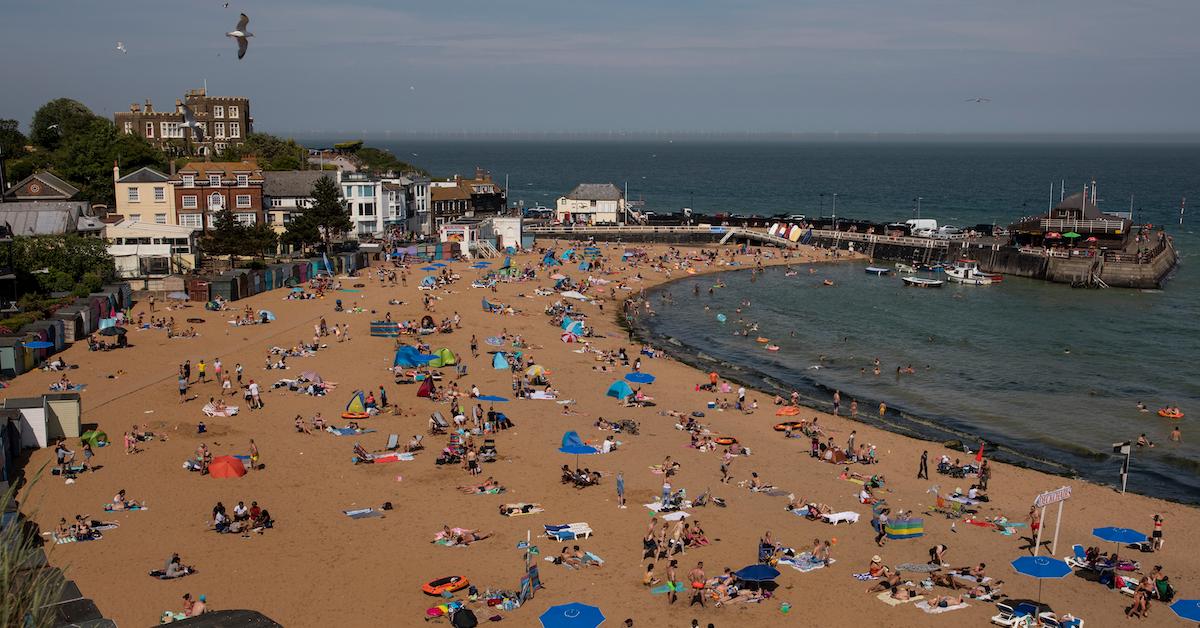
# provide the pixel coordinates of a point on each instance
(915, 224)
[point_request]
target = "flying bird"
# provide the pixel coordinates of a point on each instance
(121, 47)
(239, 33)
(189, 121)
(978, 99)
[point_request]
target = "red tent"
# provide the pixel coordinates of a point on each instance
(226, 467)
(426, 389)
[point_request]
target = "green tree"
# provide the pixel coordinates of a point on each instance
(325, 218)
(12, 140)
(86, 158)
(227, 236)
(261, 240)
(61, 263)
(58, 120)
(381, 160)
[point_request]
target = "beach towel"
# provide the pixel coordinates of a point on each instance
(804, 562)
(864, 576)
(839, 517)
(886, 598)
(109, 508)
(384, 458)
(362, 513)
(935, 610)
(210, 410)
(657, 505)
(917, 567)
(347, 431)
(667, 588)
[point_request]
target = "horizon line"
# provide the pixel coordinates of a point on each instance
(1178, 137)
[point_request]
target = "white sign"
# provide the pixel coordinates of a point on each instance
(1052, 497)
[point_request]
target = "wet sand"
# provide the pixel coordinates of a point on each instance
(319, 568)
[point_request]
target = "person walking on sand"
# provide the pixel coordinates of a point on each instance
(1156, 537)
(923, 471)
(255, 399)
(217, 370)
(253, 455)
(200, 371)
(187, 370)
(620, 489)
(837, 401)
(237, 368)
(474, 346)
(696, 580)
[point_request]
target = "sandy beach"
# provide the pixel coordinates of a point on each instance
(317, 567)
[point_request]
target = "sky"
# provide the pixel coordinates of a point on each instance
(760, 66)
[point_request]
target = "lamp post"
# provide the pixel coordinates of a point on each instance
(835, 211)
(919, 199)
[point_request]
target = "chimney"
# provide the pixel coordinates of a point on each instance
(171, 166)
(149, 106)
(116, 171)
(480, 173)
(178, 106)
(135, 108)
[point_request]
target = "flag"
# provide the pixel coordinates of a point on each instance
(979, 454)
(1122, 448)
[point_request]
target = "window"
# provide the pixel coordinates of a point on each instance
(160, 194)
(243, 180)
(235, 129)
(366, 209)
(365, 190)
(149, 129)
(233, 111)
(366, 228)
(276, 202)
(245, 219)
(219, 129)
(189, 181)
(243, 200)
(128, 128)
(189, 202)
(135, 217)
(270, 218)
(220, 146)
(218, 111)
(216, 201)
(194, 221)
(214, 179)
(170, 129)
(133, 195)
(160, 219)
(287, 218)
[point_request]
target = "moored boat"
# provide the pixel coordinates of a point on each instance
(966, 271)
(922, 282)
(876, 270)
(905, 268)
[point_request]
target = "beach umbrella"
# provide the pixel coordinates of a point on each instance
(39, 344)
(493, 398)
(178, 296)
(1120, 536)
(226, 467)
(1187, 609)
(573, 615)
(535, 371)
(1072, 235)
(640, 378)
(1041, 567)
(757, 573)
(558, 276)
(1091, 239)
(112, 331)
(1053, 235)
(428, 268)
(568, 337)
(573, 444)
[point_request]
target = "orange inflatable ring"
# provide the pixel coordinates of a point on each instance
(355, 415)
(762, 339)
(788, 411)
(1170, 415)
(442, 585)
(725, 440)
(786, 425)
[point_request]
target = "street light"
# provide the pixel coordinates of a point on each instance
(919, 199)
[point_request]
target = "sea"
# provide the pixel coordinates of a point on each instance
(1046, 375)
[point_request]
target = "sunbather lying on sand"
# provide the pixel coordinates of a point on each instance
(946, 601)
(890, 580)
(487, 485)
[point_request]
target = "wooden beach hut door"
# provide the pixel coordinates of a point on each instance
(63, 413)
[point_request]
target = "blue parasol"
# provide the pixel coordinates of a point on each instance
(757, 573)
(1187, 609)
(39, 344)
(640, 378)
(573, 615)
(1041, 567)
(1119, 535)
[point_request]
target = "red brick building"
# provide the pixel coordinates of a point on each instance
(205, 188)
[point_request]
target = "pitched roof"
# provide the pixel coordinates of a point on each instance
(145, 174)
(595, 192)
(296, 183)
(48, 217)
(204, 168)
(47, 178)
(451, 193)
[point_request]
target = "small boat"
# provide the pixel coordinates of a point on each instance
(761, 339)
(790, 273)
(772, 347)
(905, 268)
(876, 270)
(828, 282)
(922, 282)
(966, 271)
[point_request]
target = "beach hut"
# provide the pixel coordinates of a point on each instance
(243, 282)
(32, 411)
(280, 273)
(498, 361)
(620, 390)
(12, 355)
(123, 292)
(33, 333)
(10, 446)
(63, 413)
(444, 357)
(73, 325)
(199, 290)
(254, 282)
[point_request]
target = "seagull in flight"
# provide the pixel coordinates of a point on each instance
(121, 47)
(189, 121)
(239, 33)
(978, 99)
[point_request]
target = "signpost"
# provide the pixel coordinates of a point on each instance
(1057, 496)
(1123, 448)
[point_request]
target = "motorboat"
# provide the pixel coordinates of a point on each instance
(876, 270)
(905, 268)
(966, 271)
(922, 282)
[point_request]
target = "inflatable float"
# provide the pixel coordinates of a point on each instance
(724, 440)
(449, 584)
(1174, 413)
(772, 347)
(788, 411)
(787, 425)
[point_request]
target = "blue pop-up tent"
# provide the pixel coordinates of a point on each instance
(549, 260)
(409, 357)
(429, 281)
(620, 390)
(499, 362)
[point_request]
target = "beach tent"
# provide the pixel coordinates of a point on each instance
(549, 260)
(270, 316)
(536, 371)
(409, 357)
(567, 254)
(576, 327)
(312, 376)
(499, 362)
(95, 438)
(574, 294)
(585, 265)
(620, 390)
(357, 404)
(426, 389)
(385, 329)
(909, 529)
(488, 306)
(443, 357)
(226, 467)
(429, 281)
(568, 337)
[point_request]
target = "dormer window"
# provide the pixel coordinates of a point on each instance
(243, 181)
(214, 179)
(189, 181)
